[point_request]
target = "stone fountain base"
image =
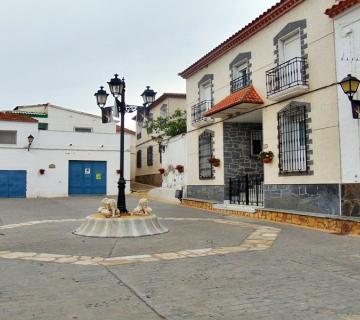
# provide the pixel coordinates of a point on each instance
(97, 225)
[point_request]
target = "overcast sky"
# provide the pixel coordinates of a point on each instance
(61, 51)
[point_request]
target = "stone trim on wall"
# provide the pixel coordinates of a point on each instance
(350, 199)
(206, 192)
(316, 198)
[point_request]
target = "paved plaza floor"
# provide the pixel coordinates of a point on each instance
(206, 267)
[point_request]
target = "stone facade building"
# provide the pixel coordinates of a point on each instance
(272, 86)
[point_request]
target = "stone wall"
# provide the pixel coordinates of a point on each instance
(213, 193)
(317, 198)
(350, 199)
(151, 179)
(237, 152)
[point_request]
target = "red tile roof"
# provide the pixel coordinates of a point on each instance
(125, 129)
(340, 7)
(269, 16)
(247, 95)
(9, 116)
(165, 96)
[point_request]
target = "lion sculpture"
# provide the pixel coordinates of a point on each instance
(109, 207)
(142, 208)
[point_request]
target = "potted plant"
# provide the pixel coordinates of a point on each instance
(41, 171)
(266, 156)
(214, 161)
(162, 170)
(180, 168)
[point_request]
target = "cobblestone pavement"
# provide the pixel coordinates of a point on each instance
(206, 267)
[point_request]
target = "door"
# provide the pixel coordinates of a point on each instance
(87, 177)
(12, 184)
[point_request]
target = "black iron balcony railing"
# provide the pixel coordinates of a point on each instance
(198, 110)
(286, 75)
(240, 83)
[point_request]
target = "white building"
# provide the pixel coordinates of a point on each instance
(72, 153)
(346, 18)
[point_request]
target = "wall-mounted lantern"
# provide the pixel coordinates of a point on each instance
(350, 85)
(30, 140)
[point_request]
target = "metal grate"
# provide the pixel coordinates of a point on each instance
(240, 83)
(292, 140)
(150, 156)
(198, 110)
(247, 190)
(205, 153)
(286, 75)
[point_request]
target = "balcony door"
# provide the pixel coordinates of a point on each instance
(291, 48)
(205, 91)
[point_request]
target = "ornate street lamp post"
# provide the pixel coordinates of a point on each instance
(350, 85)
(117, 89)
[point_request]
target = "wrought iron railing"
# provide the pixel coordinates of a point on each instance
(286, 75)
(247, 190)
(240, 83)
(198, 110)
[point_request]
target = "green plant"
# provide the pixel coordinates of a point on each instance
(266, 155)
(171, 126)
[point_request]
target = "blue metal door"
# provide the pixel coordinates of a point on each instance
(87, 177)
(12, 184)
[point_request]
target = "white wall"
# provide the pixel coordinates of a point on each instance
(53, 147)
(347, 46)
(175, 152)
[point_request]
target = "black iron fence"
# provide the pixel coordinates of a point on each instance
(198, 110)
(247, 190)
(240, 83)
(286, 75)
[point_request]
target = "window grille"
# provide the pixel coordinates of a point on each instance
(138, 159)
(292, 140)
(150, 156)
(256, 143)
(8, 137)
(205, 153)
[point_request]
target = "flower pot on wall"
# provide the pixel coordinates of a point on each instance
(214, 161)
(162, 171)
(41, 171)
(180, 168)
(118, 171)
(266, 160)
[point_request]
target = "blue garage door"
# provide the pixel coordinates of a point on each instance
(12, 184)
(87, 177)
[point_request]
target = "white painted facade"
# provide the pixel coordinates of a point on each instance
(53, 149)
(347, 48)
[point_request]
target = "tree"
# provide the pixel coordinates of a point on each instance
(169, 126)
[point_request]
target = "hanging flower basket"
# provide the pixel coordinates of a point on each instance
(266, 156)
(162, 170)
(41, 171)
(180, 168)
(214, 161)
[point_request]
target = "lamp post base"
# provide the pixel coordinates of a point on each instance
(121, 202)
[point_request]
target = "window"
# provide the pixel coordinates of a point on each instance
(150, 156)
(164, 111)
(205, 153)
(8, 137)
(79, 129)
(138, 159)
(255, 143)
(42, 126)
(292, 139)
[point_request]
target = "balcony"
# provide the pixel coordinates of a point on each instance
(240, 83)
(287, 79)
(197, 113)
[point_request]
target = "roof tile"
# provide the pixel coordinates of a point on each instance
(340, 7)
(9, 116)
